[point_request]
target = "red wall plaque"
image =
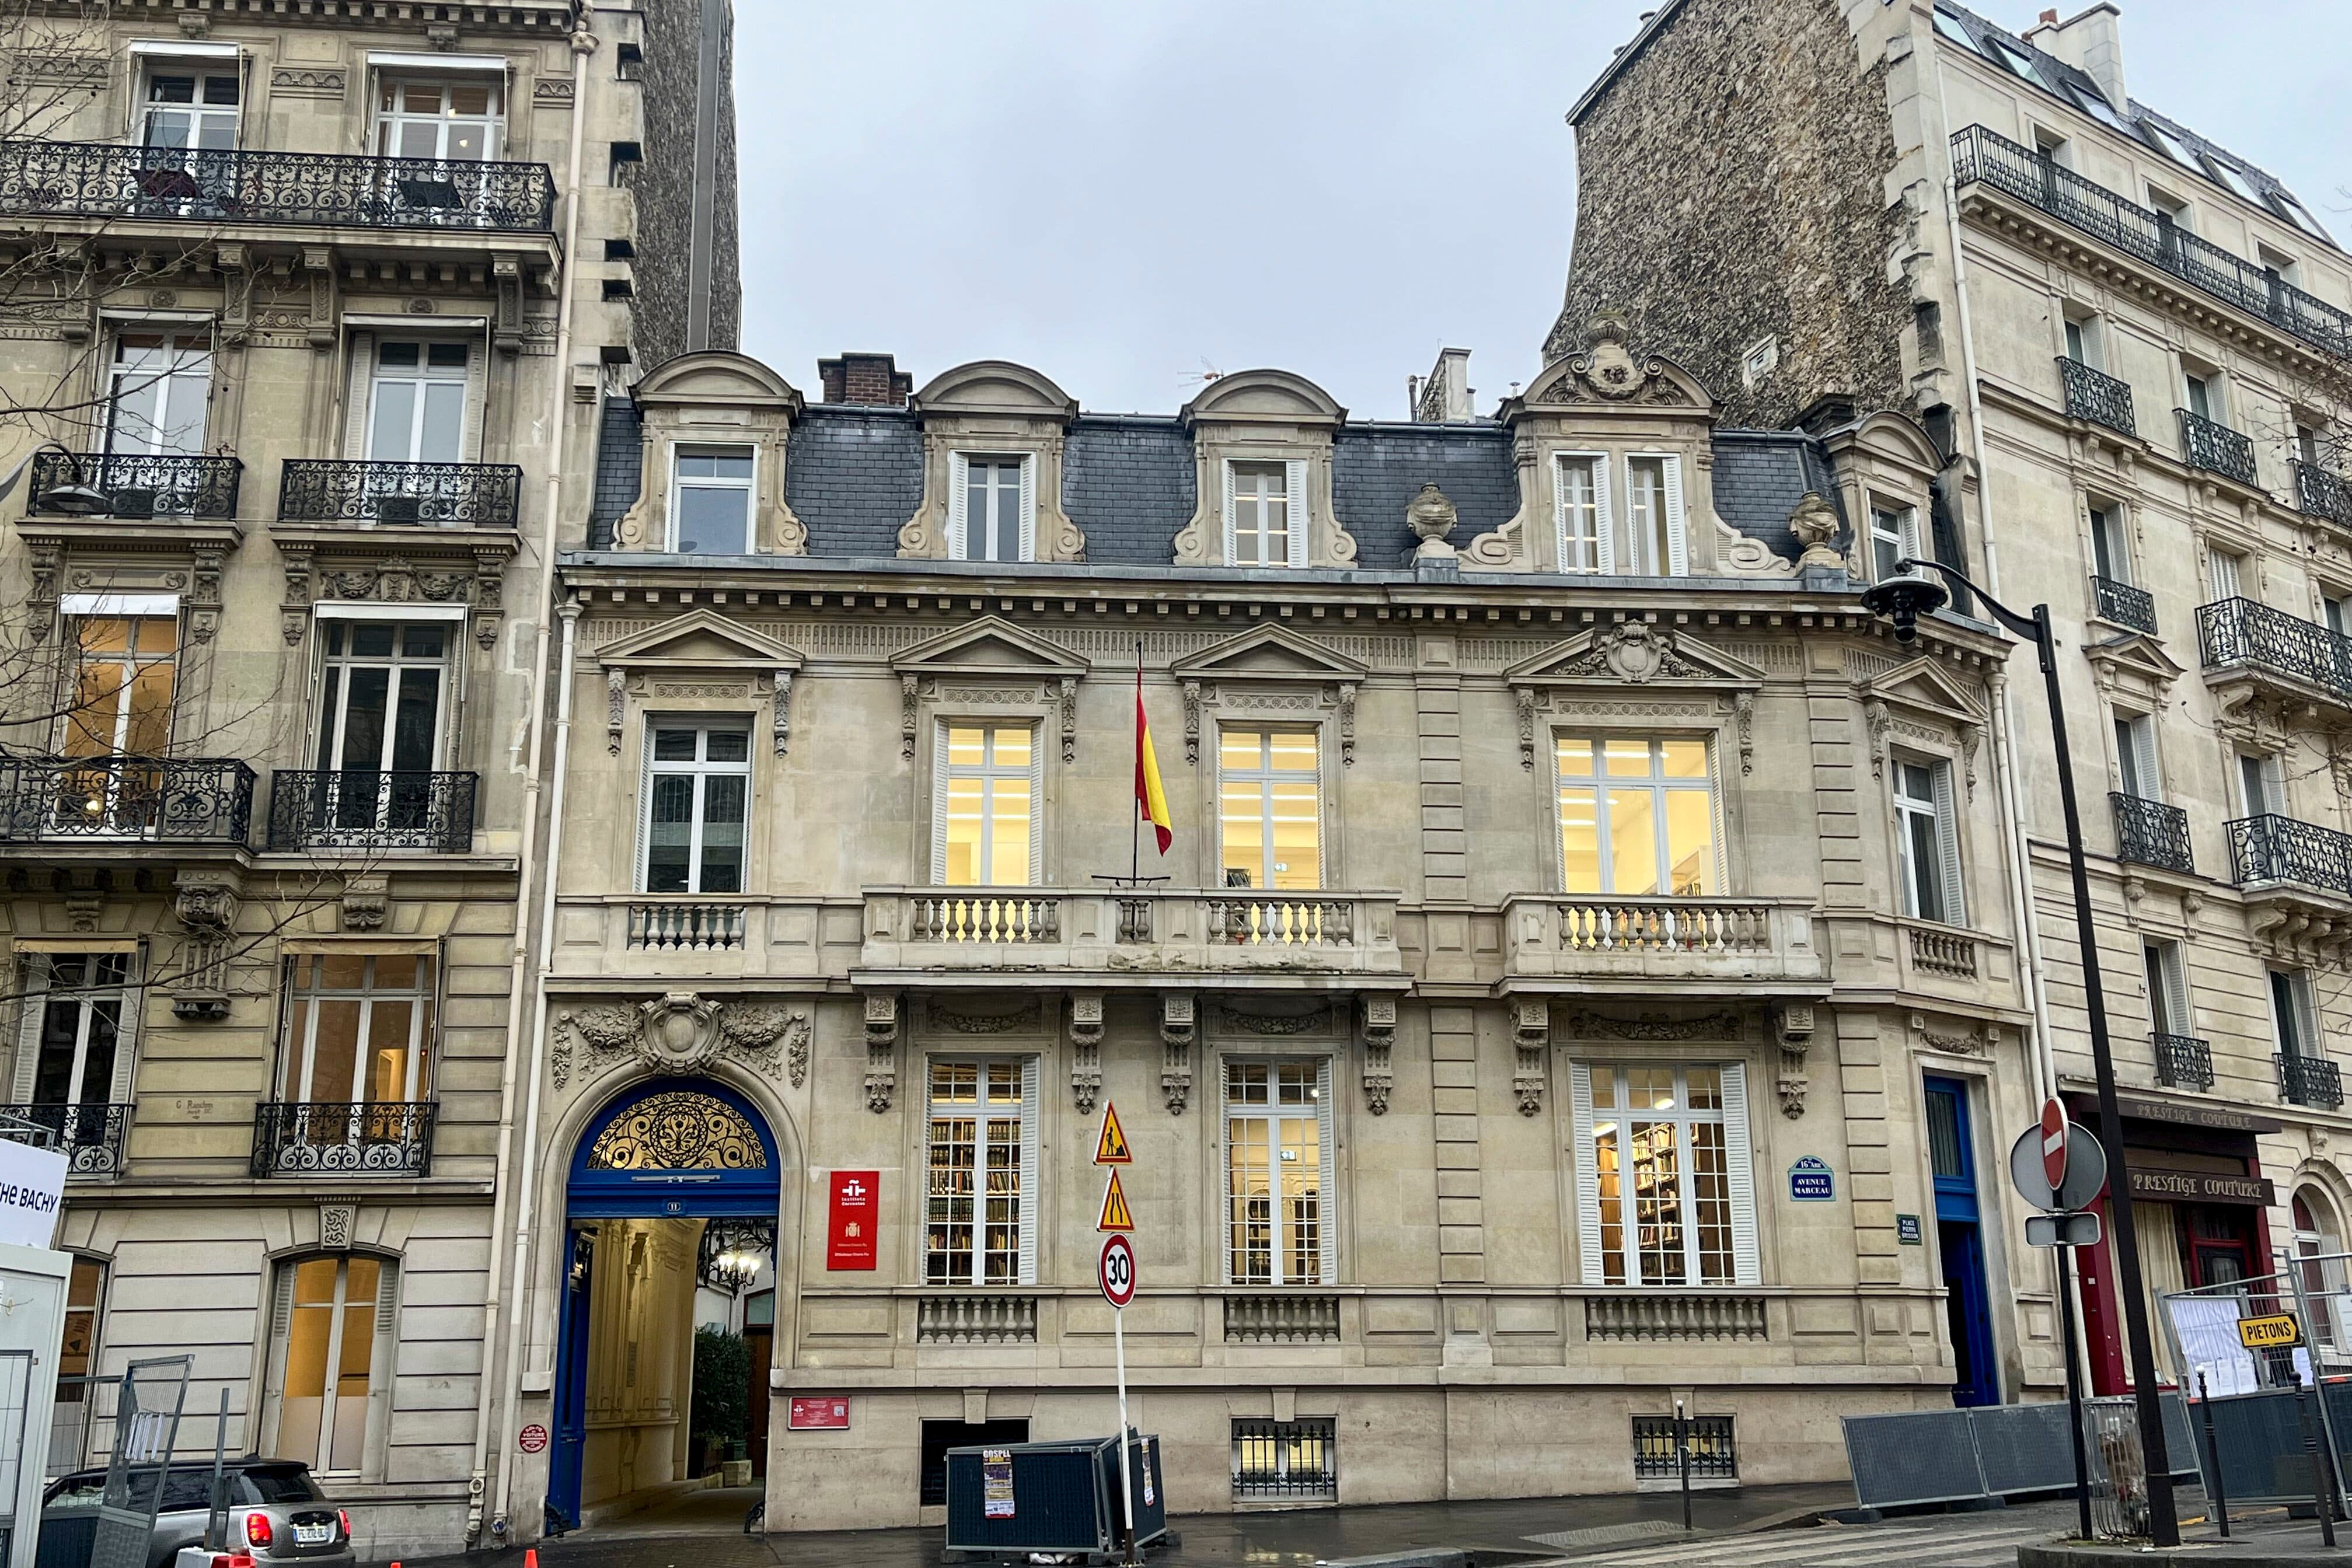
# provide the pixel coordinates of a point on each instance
(816, 1412)
(853, 1218)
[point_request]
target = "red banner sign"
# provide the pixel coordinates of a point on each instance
(813, 1413)
(855, 1213)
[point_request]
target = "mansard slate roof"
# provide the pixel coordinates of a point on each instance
(1759, 477)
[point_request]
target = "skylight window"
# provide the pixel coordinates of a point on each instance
(2097, 108)
(2167, 144)
(2295, 214)
(1950, 26)
(2231, 175)
(2012, 57)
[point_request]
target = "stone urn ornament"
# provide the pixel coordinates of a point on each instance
(1431, 516)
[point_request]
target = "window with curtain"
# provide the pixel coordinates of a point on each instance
(698, 793)
(1275, 1131)
(983, 1168)
(1669, 1199)
(1270, 808)
(332, 1313)
(125, 670)
(1636, 815)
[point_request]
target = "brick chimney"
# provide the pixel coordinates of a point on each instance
(2092, 42)
(866, 378)
(1443, 398)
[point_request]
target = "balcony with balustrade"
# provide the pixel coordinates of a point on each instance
(1111, 938)
(109, 804)
(2097, 397)
(2149, 832)
(2182, 1060)
(1996, 175)
(134, 487)
(2321, 493)
(2241, 642)
(351, 811)
(1580, 943)
(338, 1139)
(2293, 875)
(2122, 604)
(2210, 444)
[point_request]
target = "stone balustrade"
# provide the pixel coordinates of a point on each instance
(976, 1320)
(1281, 1319)
(1583, 937)
(1668, 1314)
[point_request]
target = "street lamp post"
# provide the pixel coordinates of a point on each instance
(1903, 599)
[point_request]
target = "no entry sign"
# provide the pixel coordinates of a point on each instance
(2054, 1141)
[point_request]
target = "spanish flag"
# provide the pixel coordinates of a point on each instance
(1150, 798)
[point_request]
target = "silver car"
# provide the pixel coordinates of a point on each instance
(277, 1514)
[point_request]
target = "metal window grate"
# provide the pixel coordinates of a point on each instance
(1286, 1460)
(1714, 1450)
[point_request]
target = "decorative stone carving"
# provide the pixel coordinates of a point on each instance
(41, 600)
(1795, 1030)
(1380, 1041)
(881, 1050)
(780, 701)
(1877, 721)
(366, 901)
(1176, 1059)
(1020, 1018)
(616, 705)
(908, 690)
(204, 593)
(1086, 1050)
(1532, 1033)
(797, 1035)
(1525, 699)
(1193, 723)
(1815, 523)
(1431, 516)
(207, 908)
(1636, 652)
(1743, 712)
(1067, 711)
(1348, 724)
(677, 1032)
(1317, 1022)
(336, 1223)
(1972, 736)
(1722, 1025)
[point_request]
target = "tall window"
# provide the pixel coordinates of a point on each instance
(990, 520)
(1277, 1135)
(2228, 571)
(1261, 514)
(2262, 784)
(984, 1172)
(1583, 514)
(191, 105)
(989, 800)
(2169, 207)
(158, 393)
(1894, 536)
(2083, 341)
(457, 120)
(1270, 808)
(74, 1409)
(2204, 396)
(381, 697)
(416, 409)
(359, 1028)
(74, 1052)
(1928, 842)
(332, 1313)
(2135, 764)
(125, 671)
(2294, 1013)
(698, 789)
(1653, 524)
(2167, 989)
(710, 504)
(1636, 815)
(2110, 548)
(1669, 1199)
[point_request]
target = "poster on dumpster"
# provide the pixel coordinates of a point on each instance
(996, 1483)
(1147, 1472)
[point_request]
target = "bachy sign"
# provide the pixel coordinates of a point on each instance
(849, 1238)
(32, 1185)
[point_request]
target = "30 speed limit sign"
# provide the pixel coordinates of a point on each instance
(1116, 1271)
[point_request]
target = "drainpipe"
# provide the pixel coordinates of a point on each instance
(584, 43)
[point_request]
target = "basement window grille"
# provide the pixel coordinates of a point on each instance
(1286, 1460)
(1713, 1452)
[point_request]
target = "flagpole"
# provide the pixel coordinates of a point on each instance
(1135, 818)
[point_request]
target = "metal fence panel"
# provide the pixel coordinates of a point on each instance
(1927, 1455)
(2023, 1447)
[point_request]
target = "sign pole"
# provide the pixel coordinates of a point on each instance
(2064, 1260)
(1126, 1476)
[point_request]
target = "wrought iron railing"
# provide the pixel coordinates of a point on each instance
(90, 1136)
(2283, 849)
(2183, 1062)
(2318, 493)
(412, 495)
(1285, 1459)
(2097, 396)
(312, 1137)
(2124, 604)
(2309, 1081)
(2245, 631)
(1660, 1443)
(1978, 153)
(314, 810)
(152, 798)
(2213, 447)
(2149, 832)
(221, 186)
(139, 485)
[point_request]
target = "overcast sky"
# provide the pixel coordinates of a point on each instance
(1121, 192)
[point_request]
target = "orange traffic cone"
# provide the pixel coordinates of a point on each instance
(530, 1558)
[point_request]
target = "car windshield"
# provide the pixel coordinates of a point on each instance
(284, 1483)
(183, 1488)
(77, 1493)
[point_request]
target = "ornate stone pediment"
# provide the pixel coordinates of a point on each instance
(1271, 670)
(1638, 653)
(1608, 371)
(682, 1033)
(2135, 665)
(991, 645)
(1918, 700)
(704, 643)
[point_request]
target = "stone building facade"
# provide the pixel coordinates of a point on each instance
(308, 314)
(2133, 350)
(1575, 906)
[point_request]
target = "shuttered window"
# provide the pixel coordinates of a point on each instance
(1581, 506)
(332, 1333)
(1928, 842)
(1265, 514)
(992, 507)
(2135, 757)
(1664, 1175)
(1654, 541)
(977, 1222)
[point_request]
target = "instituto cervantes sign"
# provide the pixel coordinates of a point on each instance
(2197, 1186)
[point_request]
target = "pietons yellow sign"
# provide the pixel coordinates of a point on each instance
(2278, 1330)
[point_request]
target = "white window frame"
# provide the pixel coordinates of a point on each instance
(2217, 395)
(2297, 1030)
(1938, 809)
(333, 713)
(2138, 770)
(1275, 1112)
(2170, 1010)
(201, 116)
(1589, 1113)
(424, 376)
(1897, 528)
(2226, 570)
(1294, 513)
(296, 1071)
(1656, 785)
(382, 122)
(178, 373)
(747, 486)
(2083, 341)
(701, 770)
(960, 523)
(43, 991)
(1583, 554)
(1029, 1214)
(2268, 773)
(1267, 776)
(2110, 541)
(131, 663)
(1672, 529)
(383, 1321)
(944, 770)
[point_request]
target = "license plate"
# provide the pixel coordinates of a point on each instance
(314, 1535)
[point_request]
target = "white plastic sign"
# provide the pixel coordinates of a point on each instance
(32, 1188)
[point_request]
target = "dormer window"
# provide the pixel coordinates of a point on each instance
(1262, 527)
(992, 508)
(1654, 517)
(1583, 513)
(710, 502)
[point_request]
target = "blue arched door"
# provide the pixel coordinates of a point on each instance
(674, 1148)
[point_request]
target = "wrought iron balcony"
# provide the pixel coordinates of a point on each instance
(2233, 633)
(2124, 604)
(89, 1136)
(408, 495)
(2183, 1062)
(2149, 832)
(2096, 396)
(2213, 447)
(143, 486)
(2309, 1081)
(311, 809)
(151, 800)
(2283, 849)
(2025, 175)
(317, 189)
(2321, 494)
(391, 1137)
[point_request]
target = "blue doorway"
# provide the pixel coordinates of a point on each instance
(1959, 1243)
(672, 1148)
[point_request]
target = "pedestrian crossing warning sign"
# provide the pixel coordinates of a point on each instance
(1115, 1215)
(1112, 1149)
